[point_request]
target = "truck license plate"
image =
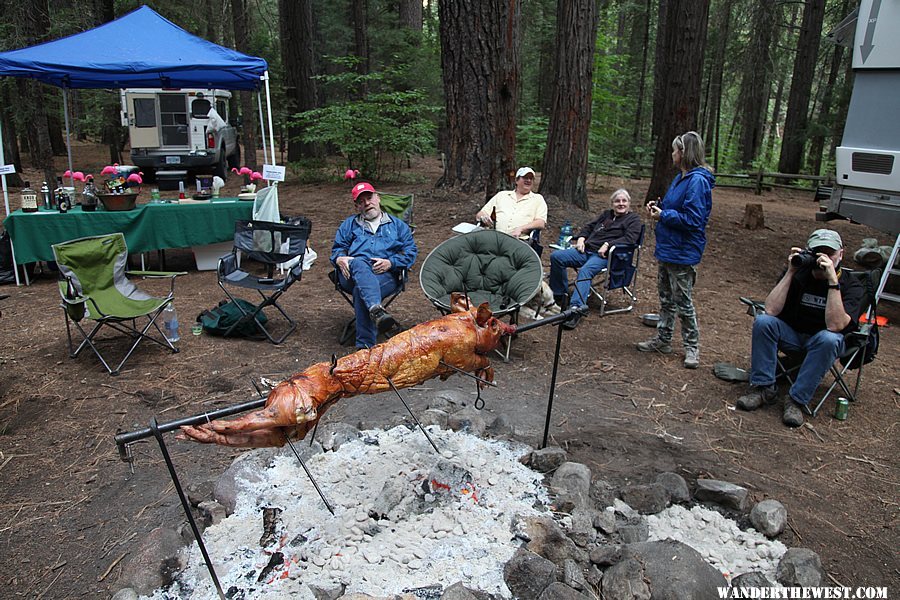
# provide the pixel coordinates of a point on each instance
(173, 160)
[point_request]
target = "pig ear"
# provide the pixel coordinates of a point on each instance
(483, 315)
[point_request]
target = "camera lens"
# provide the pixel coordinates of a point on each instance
(803, 259)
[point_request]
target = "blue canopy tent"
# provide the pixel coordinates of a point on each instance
(139, 49)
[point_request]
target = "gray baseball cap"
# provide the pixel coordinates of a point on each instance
(825, 238)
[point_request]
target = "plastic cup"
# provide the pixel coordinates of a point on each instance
(196, 328)
(154, 195)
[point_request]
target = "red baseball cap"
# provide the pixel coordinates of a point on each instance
(361, 188)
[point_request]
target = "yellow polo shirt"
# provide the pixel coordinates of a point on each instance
(512, 213)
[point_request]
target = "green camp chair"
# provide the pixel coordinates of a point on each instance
(396, 205)
(93, 285)
(487, 265)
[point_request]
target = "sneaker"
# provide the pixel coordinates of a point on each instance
(757, 396)
(572, 322)
(793, 413)
(691, 358)
(655, 345)
(383, 320)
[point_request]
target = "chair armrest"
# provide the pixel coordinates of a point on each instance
(754, 307)
(159, 275)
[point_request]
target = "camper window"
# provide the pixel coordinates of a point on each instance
(144, 112)
(200, 108)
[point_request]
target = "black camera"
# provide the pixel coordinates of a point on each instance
(805, 259)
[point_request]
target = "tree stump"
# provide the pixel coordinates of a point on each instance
(753, 217)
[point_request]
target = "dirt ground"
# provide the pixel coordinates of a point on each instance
(71, 512)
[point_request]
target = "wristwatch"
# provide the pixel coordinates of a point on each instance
(836, 286)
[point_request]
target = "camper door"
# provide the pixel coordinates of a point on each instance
(142, 120)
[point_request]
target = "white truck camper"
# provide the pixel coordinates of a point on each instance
(867, 185)
(180, 130)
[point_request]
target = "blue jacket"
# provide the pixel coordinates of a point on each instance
(681, 229)
(393, 241)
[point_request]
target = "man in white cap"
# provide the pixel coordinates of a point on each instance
(809, 310)
(517, 211)
(370, 249)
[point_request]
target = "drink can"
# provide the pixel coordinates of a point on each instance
(841, 409)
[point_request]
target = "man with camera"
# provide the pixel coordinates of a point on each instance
(809, 310)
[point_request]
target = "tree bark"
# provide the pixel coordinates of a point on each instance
(636, 134)
(11, 154)
(717, 69)
(797, 117)
(359, 16)
(480, 69)
(298, 60)
(753, 96)
(248, 114)
(680, 43)
(410, 14)
(564, 171)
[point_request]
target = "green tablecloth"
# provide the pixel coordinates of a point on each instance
(147, 227)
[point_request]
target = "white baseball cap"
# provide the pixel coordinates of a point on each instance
(523, 171)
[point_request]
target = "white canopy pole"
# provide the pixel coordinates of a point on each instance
(262, 129)
(6, 203)
(269, 109)
(68, 141)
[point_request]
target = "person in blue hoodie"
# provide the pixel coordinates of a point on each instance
(681, 219)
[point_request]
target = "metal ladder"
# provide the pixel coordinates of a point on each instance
(889, 269)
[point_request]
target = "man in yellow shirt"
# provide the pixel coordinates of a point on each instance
(517, 211)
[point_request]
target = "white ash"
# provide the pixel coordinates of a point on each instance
(460, 539)
(718, 540)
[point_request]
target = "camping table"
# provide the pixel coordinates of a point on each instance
(147, 227)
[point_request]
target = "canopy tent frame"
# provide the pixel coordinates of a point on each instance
(57, 63)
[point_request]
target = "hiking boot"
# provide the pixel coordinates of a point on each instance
(383, 320)
(793, 413)
(691, 358)
(757, 396)
(655, 345)
(572, 321)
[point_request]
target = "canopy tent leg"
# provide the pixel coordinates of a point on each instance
(262, 129)
(65, 96)
(269, 110)
(6, 204)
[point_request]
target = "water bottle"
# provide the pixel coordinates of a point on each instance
(170, 323)
(565, 235)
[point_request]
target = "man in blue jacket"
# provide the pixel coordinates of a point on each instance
(680, 240)
(370, 250)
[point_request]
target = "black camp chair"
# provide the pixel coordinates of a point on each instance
(619, 274)
(487, 265)
(270, 244)
(397, 205)
(860, 347)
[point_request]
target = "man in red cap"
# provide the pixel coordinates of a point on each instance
(370, 250)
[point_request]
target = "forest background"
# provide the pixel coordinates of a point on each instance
(570, 87)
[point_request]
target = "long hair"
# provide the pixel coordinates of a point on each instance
(692, 151)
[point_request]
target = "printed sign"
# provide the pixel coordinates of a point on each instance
(7, 169)
(273, 172)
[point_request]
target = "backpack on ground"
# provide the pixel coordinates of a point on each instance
(218, 320)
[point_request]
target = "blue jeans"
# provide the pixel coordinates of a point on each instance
(368, 289)
(588, 265)
(771, 333)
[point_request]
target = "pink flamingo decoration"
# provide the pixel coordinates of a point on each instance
(351, 174)
(78, 176)
(110, 170)
(135, 178)
(255, 176)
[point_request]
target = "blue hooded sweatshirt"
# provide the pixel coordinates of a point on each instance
(681, 230)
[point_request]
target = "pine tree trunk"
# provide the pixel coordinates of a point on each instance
(410, 14)
(757, 68)
(11, 154)
(564, 170)
(298, 61)
(714, 107)
(636, 134)
(480, 70)
(248, 114)
(680, 43)
(359, 16)
(797, 117)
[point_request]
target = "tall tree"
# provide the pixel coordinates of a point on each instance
(298, 62)
(717, 69)
(480, 69)
(640, 41)
(564, 171)
(680, 43)
(248, 115)
(359, 16)
(797, 117)
(757, 72)
(410, 13)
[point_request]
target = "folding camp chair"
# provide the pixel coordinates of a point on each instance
(270, 244)
(396, 205)
(620, 273)
(487, 265)
(860, 346)
(94, 284)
